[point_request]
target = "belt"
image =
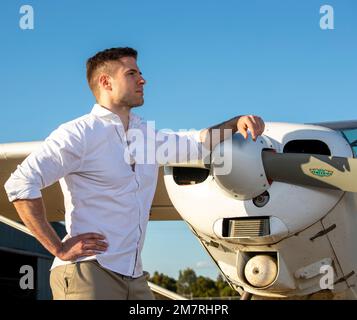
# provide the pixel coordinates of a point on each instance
(116, 273)
(124, 276)
(145, 274)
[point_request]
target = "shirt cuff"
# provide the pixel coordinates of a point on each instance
(25, 192)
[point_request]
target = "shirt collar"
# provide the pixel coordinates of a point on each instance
(101, 112)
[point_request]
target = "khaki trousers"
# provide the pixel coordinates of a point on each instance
(88, 280)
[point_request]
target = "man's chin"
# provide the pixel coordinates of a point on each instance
(138, 103)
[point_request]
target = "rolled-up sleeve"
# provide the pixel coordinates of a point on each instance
(60, 154)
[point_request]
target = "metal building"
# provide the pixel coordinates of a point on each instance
(25, 264)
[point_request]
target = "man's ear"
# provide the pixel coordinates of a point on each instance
(104, 81)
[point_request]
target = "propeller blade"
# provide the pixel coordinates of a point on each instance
(311, 170)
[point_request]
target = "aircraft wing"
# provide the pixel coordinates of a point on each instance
(12, 154)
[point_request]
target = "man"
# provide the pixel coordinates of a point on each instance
(107, 193)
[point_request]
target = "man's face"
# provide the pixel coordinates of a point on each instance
(127, 83)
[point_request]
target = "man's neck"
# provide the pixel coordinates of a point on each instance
(120, 110)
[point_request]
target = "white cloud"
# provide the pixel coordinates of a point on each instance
(204, 265)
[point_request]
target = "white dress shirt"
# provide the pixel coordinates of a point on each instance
(102, 192)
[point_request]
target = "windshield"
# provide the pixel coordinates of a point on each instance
(351, 136)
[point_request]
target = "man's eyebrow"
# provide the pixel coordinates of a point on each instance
(132, 70)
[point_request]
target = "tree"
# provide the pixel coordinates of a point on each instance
(224, 288)
(204, 287)
(185, 282)
(164, 281)
(189, 285)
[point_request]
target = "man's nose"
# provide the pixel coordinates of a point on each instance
(142, 80)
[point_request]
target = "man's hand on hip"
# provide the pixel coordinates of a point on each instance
(83, 245)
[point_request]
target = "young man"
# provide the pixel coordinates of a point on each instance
(107, 192)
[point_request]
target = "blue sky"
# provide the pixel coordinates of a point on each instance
(204, 62)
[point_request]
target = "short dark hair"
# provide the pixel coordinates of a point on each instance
(101, 58)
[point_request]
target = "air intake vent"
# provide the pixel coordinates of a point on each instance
(246, 227)
(186, 176)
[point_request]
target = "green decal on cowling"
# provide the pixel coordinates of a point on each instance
(321, 172)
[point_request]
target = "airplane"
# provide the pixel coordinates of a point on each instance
(280, 225)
